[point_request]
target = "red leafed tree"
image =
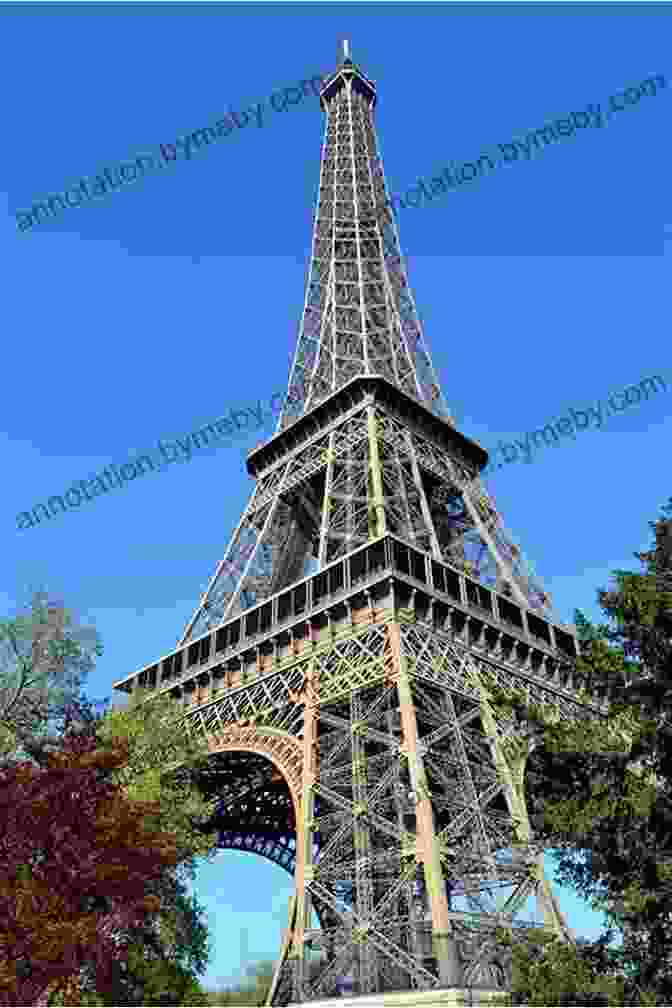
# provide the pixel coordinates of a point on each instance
(76, 858)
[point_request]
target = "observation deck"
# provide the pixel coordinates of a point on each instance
(382, 580)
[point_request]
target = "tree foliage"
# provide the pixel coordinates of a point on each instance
(45, 656)
(76, 857)
(165, 956)
(163, 950)
(163, 765)
(548, 971)
(599, 791)
(171, 948)
(141, 980)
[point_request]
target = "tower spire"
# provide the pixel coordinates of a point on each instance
(359, 315)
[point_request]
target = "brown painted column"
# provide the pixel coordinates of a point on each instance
(445, 946)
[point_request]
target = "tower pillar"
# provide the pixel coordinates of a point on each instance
(443, 941)
(304, 836)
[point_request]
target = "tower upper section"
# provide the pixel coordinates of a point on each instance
(365, 446)
(359, 316)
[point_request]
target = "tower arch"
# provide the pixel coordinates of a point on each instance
(256, 772)
(256, 775)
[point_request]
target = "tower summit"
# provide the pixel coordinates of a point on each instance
(359, 316)
(340, 660)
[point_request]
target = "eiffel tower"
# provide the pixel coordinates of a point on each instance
(338, 662)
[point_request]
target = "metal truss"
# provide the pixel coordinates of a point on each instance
(359, 315)
(267, 847)
(356, 746)
(375, 770)
(369, 474)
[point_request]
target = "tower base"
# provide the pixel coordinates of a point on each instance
(447, 996)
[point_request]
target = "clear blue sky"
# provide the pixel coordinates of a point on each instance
(543, 287)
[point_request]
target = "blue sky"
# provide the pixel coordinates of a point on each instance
(542, 287)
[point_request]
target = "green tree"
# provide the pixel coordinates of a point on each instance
(164, 764)
(171, 949)
(599, 791)
(144, 977)
(45, 656)
(547, 971)
(165, 956)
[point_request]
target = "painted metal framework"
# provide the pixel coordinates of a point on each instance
(339, 663)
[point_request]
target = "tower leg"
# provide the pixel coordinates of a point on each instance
(511, 768)
(304, 847)
(445, 947)
(281, 966)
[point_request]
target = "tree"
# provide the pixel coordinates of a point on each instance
(76, 858)
(599, 792)
(160, 766)
(163, 765)
(548, 972)
(165, 956)
(152, 741)
(140, 980)
(172, 947)
(44, 659)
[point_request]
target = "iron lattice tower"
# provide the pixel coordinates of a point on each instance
(339, 661)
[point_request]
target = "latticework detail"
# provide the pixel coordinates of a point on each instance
(360, 857)
(359, 316)
(340, 660)
(369, 475)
